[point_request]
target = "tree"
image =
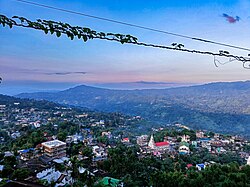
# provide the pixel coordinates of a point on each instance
(20, 174)
(10, 161)
(62, 136)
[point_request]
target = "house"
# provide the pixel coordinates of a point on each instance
(99, 153)
(51, 175)
(200, 166)
(27, 154)
(61, 160)
(8, 153)
(125, 140)
(189, 166)
(15, 135)
(111, 182)
(108, 134)
(83, 170)
(37, 124)
(221, 150)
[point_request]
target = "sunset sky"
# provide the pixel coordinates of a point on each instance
(32, 61)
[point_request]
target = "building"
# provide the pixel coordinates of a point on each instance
(185, 138)
(54, 148)
(142, 140)
(248, 161)
(52, 175)
(159, 146)
(99, 153)
(125, 140)
(184, 148)
(200, 166)
(27, 154)
(112, 182)
(200, 134)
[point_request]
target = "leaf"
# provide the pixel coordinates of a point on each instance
(86, 30)
(102, 34)
(58, 33)
(85, 38)
(123, 41)
(70, 35)
(46, 31)
(52, 30)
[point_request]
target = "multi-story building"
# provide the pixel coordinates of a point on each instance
(142, 140)
(54, 148)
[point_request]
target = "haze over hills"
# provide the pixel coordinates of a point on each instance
(221, 107)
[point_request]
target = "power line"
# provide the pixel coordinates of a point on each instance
(60, 28)
(134, 25)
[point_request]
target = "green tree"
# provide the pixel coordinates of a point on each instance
(20, 174)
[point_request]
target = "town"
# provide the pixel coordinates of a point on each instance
(51, 145)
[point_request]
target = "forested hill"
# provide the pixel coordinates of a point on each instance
(223, 107)
(26, 103)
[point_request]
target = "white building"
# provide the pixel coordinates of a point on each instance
(184, 148)
(248, 161)
(54, 148)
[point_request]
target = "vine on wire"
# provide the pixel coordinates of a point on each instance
(59, 28)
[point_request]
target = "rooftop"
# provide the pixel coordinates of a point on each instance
(53, 143)
(159, 144)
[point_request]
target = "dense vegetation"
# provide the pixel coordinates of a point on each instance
(124, 163)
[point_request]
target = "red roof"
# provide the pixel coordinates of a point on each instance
(125, 139)
(189, 165)
(159, 144)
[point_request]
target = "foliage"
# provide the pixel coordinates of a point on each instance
(20, 174)
(84, 33)
(125, 164)
(59, 28)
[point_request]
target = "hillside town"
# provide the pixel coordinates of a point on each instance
(61, 146)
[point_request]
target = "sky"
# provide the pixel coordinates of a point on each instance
(32, 61)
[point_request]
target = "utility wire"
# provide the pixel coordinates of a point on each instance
(59, 28)
(133, 25)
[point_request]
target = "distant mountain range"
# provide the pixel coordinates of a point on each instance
(222, 107)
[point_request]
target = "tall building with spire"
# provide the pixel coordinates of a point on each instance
(151, 142)
(159, 146)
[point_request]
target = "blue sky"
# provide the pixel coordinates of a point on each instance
(28, 58)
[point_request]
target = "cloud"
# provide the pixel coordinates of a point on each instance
(13, 69)
(153, 83)
(66, 73)
(140, 85)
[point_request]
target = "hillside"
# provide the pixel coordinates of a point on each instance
(222, 107)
